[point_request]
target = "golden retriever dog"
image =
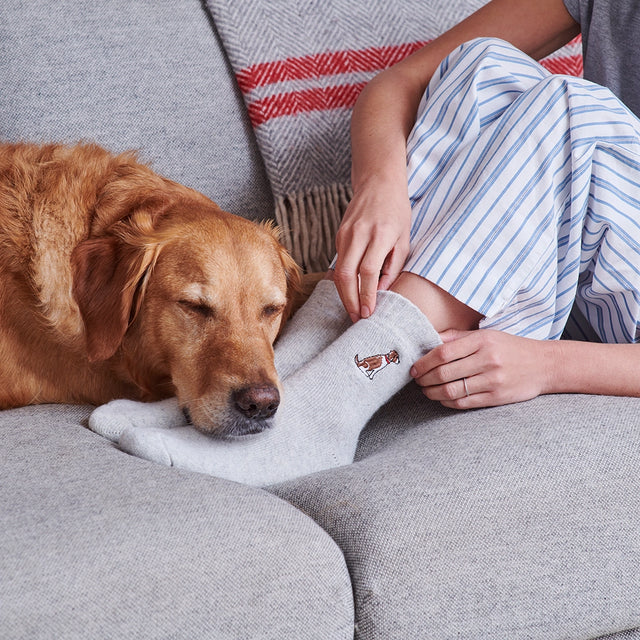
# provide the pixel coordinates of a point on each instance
(119, 283)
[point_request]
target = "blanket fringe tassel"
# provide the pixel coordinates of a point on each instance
(308, 221)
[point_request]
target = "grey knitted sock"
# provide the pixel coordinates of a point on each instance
(316, 324)
(111, 419)
(326, 404)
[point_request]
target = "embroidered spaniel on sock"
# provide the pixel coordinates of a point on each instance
(371, 365)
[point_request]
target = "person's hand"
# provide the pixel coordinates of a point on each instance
(483, 368)
(372, 244)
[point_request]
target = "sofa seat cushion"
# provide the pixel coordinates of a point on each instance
(98, 544)
(515, 522)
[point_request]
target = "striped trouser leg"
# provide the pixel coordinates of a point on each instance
(525, 192)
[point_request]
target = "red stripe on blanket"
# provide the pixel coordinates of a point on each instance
(296, 102)
(337, 63)
(566, 65)
(323, 64)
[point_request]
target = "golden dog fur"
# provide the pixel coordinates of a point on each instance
(119, 283)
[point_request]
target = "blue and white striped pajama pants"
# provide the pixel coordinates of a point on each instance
(525, 193)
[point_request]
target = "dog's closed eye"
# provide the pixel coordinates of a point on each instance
(271, 310)
(198, 307)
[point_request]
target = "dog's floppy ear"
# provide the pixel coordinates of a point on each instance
(111, 267)
(110, 274)
(111, 270)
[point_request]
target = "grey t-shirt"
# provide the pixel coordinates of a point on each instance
(611, 45)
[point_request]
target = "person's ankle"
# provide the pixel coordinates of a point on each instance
(443, 310)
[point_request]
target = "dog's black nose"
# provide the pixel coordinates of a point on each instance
(257, 402)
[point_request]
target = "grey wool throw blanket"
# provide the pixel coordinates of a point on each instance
(300, 67)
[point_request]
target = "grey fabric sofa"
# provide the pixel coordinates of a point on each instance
(508, 523)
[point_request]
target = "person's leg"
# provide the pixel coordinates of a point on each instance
(444, 311)
(466, 97)
(499, 215)
(471, 91)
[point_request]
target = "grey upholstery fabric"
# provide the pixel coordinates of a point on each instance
(515, 522)
(147, 75)
(98, 544)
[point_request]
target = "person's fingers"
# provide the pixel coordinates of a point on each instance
(369, 272)
(429, 370)
(346, 273)
(483, 368)
(457, 389)
(455, 380)
(473, 401)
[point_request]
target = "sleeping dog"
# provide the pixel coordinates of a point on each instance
(119, 283)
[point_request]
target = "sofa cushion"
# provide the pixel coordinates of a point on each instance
(514, 522)
(98, 544)
(147, 75)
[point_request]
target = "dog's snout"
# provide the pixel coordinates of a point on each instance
(257, 402)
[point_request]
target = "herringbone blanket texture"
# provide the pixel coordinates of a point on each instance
(300, 66)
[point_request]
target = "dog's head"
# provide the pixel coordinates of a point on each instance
(191, 299)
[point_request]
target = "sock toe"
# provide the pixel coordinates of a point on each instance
(145, 443)
(112, 419)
